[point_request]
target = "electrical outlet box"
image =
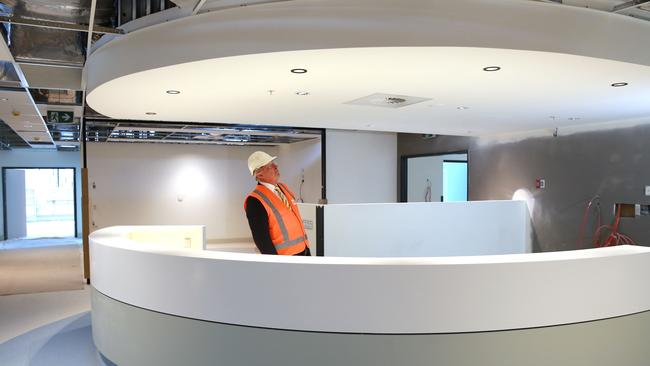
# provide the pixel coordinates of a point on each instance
(632, 209)
(626, 209)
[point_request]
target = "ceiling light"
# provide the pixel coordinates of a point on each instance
(299, 71)
(150, 113)
(68, 146)
(574, 118)
(492, 68)
(173, 92)
(617, 85)
(4, 99)
(27, 125)
(462, 107)
(302, 93)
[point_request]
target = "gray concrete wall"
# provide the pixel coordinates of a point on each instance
(614, 164)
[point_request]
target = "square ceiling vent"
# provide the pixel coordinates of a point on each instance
(387, 100)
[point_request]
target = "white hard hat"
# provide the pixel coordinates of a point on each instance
(258, 159)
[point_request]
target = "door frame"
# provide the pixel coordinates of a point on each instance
(403, 192)
(4, 193)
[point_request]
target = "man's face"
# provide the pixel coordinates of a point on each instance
(269, 173)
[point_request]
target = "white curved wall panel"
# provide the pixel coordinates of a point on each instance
(373, 295)
(312, 25)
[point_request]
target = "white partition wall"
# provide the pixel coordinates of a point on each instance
(361, 166)
(427, 229)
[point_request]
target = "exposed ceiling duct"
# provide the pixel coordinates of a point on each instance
(46, 45)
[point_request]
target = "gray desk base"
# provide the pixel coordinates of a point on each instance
(128, 335)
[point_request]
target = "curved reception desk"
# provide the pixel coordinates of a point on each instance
(160, 298)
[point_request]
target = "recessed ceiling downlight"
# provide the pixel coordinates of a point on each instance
(173, 92)
(150, 113)
(299, 71)
(302, 93)
(492, 68)
(618, 85)
(462, 108)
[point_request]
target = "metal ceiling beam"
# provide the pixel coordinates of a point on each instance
(629, 5)
(57, 25)
(198, 6)
(191, 142)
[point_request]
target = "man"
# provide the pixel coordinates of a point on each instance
(271, 210)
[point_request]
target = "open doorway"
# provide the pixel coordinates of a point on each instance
(39, 203)
(435, 178)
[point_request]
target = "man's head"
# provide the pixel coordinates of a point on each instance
(263, 168)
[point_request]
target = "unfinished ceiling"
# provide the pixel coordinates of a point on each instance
(46, 47)
(178, 133)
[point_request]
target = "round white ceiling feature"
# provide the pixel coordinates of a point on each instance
(226, 61)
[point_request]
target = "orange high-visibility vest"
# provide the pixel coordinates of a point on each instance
(285, 224)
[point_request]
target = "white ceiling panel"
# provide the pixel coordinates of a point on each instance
(35, 136)
(31, 124)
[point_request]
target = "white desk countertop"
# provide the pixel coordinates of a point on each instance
(373, 295)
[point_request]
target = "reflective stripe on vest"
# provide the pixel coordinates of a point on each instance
(286, 243)
(276, 213)
(289, 243)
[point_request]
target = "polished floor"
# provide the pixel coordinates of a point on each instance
(67, 342)
(43, 265)
(38, 243)
(50, 328)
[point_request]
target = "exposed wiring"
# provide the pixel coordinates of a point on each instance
(614, 237)
(597, 239)
(427, 192)
(585, 219)
(302, 182)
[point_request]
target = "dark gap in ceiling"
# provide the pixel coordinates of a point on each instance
(57, 96)
(9, 139)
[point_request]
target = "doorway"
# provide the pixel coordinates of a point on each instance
(39, 203)
(435, 177)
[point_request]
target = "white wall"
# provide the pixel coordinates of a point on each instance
(174, 184)
(296, 159)
(427, 167)
(16, 204)
(361, 166)
(34, 158)
(427, 229)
